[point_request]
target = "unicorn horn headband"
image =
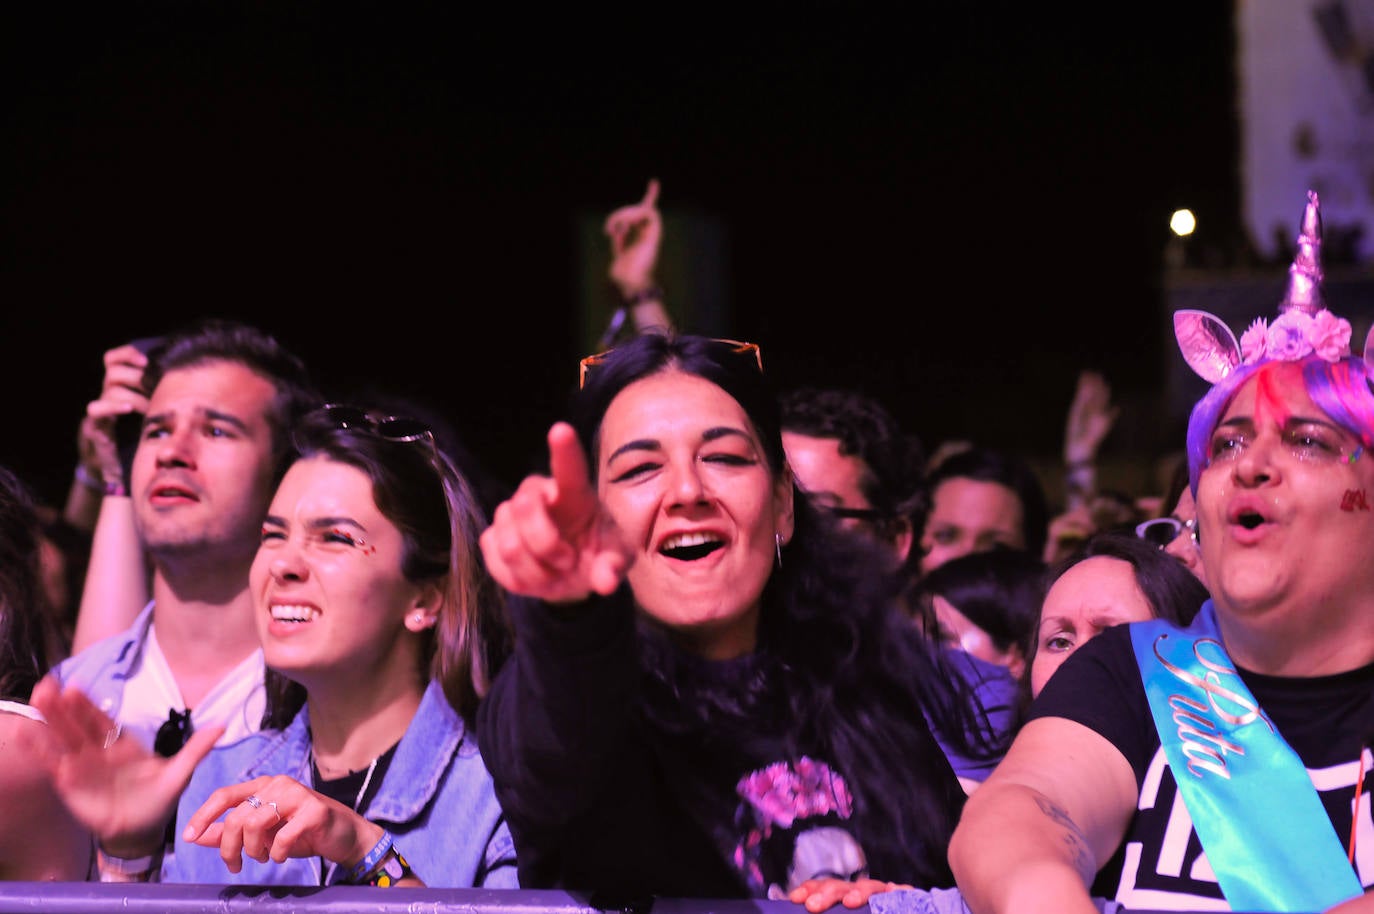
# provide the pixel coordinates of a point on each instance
(1304, 325)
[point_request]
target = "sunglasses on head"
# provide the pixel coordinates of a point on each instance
(1164, 530)
(392, 428)
(737, 347)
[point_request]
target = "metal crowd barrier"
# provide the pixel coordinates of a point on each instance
(158, 898)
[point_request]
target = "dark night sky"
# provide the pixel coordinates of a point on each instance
(952, 209)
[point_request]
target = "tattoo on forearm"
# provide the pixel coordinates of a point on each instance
(1074, 840)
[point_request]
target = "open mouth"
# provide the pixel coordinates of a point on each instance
(173, 492)
(1247, 517)
(688, 547)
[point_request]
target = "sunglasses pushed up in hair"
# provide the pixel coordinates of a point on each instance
(173, 733)
(737, 347)
(392, 428)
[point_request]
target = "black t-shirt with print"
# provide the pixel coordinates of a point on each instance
(1160, 865)
(606, 789)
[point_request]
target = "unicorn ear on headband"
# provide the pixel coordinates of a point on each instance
(1304, 325)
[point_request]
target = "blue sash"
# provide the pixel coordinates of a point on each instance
(1265, 831)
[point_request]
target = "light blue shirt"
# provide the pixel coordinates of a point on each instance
(102, 668)
(109, 670)
(436, 798)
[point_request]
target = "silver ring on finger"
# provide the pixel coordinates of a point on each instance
(275, 811)
(252, 801)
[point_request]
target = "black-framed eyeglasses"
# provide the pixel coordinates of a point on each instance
(173, 733)
(1164, 530)
(739, 347)
(392, 428)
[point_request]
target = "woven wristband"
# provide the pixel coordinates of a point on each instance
(365, 866)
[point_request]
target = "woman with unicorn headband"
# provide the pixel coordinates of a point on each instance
(1216, 766)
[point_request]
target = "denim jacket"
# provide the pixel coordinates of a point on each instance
(436, 798)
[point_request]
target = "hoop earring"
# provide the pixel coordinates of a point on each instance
(777, 545)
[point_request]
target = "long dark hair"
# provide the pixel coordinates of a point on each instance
(25, 619)
(999, 590)
(419, 489)
(855, 679)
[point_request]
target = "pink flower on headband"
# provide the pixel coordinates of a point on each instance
(1330, 335)
(1253, 340)
(1288, 337)
(1303, 328)
(1295, 335)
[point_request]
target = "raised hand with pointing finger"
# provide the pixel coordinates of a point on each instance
(636, 234)
(552, 539)
(636, 231)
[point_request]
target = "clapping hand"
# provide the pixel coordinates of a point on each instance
(119, 790)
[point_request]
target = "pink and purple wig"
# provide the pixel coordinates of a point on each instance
(1341, 389)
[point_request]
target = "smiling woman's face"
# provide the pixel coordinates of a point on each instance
(331, 597)
(683, 474)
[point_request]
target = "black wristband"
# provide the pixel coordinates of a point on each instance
(648, 294)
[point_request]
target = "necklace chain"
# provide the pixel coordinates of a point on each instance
(367, 780)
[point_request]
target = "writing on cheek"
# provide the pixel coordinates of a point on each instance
(1354, 500)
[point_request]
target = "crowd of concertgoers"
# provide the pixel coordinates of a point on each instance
(732, 642)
